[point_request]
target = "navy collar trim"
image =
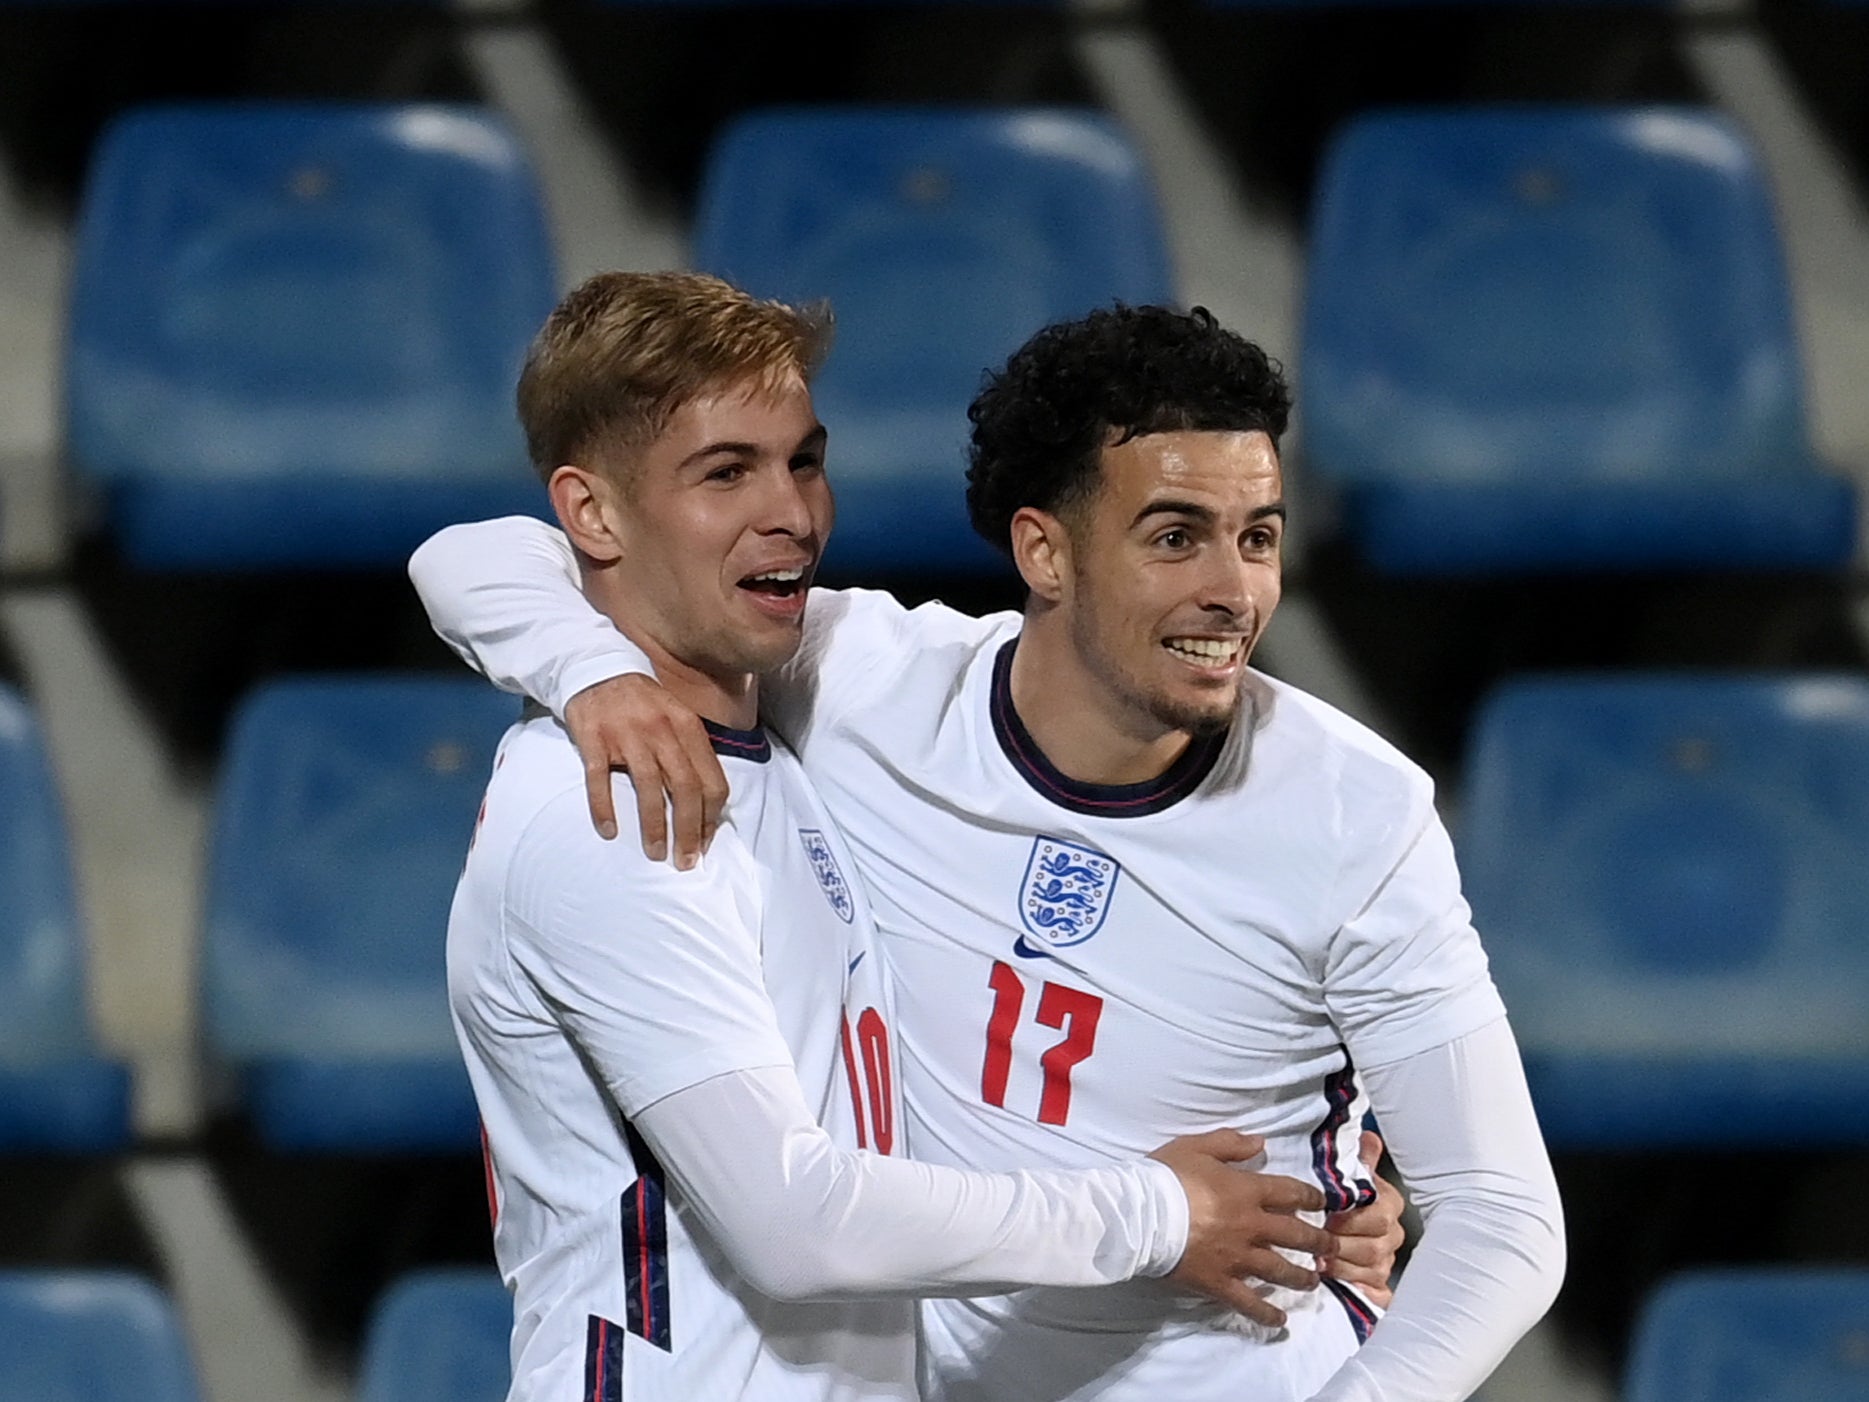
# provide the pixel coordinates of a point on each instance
(1165, 790)
(739, 744)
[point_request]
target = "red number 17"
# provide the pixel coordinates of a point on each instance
(1070, 1010)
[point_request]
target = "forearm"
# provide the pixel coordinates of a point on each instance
(802, 1219)
(1459, 1123)
(504, 595)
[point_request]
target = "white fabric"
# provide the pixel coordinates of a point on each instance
(1459, 1122)
(1236, 955)
(737, 1019)
(787, 1206)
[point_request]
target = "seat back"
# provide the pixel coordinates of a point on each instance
(274, 294)
(1668, 875)
(1530, 293)
(79, 1336)
(439, 1336)
(1760, 1335)
(343, 815)
(943, 239)
(43, 1009)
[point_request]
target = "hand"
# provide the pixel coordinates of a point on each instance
(1236, 1219)
(631, 723)
(1368, 1237)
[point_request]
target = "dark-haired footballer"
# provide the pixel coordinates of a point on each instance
(1128, 887)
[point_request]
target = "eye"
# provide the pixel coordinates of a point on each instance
(727, 472)
(1262, 538)
(1174, 538)
(806, 463)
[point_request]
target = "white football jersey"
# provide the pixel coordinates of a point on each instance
(1083, 972)
(576, 1012)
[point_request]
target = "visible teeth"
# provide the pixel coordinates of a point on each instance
(782, 576)
(1205, 649)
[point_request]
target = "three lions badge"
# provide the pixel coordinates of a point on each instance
(830, 877)
(1065, 897)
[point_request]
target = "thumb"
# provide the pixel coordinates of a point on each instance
(1369, 1149)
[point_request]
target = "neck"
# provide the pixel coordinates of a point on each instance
(725, 697)
(1087, 733)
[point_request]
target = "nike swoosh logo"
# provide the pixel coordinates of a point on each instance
(856, 961)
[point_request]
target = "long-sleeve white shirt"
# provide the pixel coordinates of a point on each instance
(1270, 937)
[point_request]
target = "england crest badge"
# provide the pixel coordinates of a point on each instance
(830, 876)
(1065, 897)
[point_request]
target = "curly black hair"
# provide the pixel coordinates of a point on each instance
(1040, 424)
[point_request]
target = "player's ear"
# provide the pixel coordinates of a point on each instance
(586, 503)
(1041, 548)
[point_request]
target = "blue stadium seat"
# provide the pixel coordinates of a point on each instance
(85, 1336)
(1668, 873)
(439, 1336)
(295, 330)
(1559, 339)
(1761, 1335)
(56, 1092)
(943, 238)
(342, 819)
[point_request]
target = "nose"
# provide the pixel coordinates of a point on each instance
(1226, 586)
(785, 504)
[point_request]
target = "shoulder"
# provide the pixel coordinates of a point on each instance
(876, 618)
(1334, 755)
(538, 827)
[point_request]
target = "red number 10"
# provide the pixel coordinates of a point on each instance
(876, 1079)
(1070, 1010)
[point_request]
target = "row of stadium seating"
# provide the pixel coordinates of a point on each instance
(440, 1336)
(97, 1336)
(1533, 338)
(1667, 869)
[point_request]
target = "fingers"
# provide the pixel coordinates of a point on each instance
(1274, 1269)
(651, 809)
(1226, 1145)
(713, 797)
(630, 723)
(1389, 1197)
(702, 797)
(682, 787)
(1365, 1277)
(598, 794)
(1280, 1194)
(1243, 1299)
(1296, 1234)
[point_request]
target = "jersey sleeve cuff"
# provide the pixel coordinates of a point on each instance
(638, 1093)
(602, 666)
(1168, 1243)
(1477, 1007)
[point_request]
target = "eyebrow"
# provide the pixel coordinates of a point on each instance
(1170, 506)
(814, 439)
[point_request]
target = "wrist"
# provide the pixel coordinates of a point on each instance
(581, 674)
(1167, 1243)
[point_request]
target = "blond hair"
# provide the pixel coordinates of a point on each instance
(623, 351)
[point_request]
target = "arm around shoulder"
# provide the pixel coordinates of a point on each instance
(504, 594)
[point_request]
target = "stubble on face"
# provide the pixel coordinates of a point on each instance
(1218, 496)
(1090, 630)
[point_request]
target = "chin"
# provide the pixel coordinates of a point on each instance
(1200, 718)
(773, 654)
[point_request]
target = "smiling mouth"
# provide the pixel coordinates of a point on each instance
(1206, 652)
(778, 584)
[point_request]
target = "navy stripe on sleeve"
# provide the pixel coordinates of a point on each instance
(603, 1361)
(645, 1248)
